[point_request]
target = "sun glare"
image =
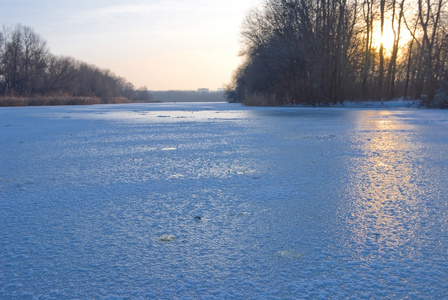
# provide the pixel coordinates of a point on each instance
(387, 39)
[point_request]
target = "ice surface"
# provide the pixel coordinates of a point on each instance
(294, 203)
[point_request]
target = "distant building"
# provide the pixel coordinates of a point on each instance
(203, 90)
(221, 90)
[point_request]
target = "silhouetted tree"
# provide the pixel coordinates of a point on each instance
(27, 68)
(319, 52)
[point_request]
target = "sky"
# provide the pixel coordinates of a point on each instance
(163, 45)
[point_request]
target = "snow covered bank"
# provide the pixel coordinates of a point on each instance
(223, 201)
(384, 104)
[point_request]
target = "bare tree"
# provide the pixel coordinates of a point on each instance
(27, 68)
(322, 51)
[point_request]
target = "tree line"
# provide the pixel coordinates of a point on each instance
(28, 69)
(320, 52)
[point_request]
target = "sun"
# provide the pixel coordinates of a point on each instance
(387, 39)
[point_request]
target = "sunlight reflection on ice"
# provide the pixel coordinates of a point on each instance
(384, 195)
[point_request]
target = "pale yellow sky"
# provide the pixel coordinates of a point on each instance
(158, 44)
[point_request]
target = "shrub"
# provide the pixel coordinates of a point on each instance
(115, 100)
(57, 100)
(441, 98)
(13, 101)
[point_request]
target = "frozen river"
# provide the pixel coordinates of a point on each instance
(99, 202)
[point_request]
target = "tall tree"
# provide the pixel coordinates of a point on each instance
(27, 68)
(322, 51)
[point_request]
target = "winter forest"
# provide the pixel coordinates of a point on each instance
(29, 69)
(312, 52)
(320, 52)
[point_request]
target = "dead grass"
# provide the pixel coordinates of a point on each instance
(58, 100)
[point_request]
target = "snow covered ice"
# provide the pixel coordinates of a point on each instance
(100, 202)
